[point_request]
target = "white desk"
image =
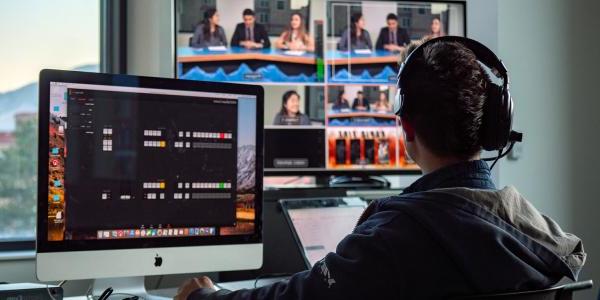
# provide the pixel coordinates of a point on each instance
(170, 292)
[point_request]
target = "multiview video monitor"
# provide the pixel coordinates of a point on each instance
(332, 114)
(142, 168)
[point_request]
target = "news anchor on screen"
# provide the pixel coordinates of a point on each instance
(383, 104)
(208, 32)
(436, 29)
(360, 103)
(341, 103)
(295, 36)
(290, 111)
(392, 37)
(249, 34)
(356, 35)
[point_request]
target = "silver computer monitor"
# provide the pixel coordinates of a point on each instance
(145, 176)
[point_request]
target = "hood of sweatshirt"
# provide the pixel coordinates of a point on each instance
(497, 238)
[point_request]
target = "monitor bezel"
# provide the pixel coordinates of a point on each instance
(48, 75)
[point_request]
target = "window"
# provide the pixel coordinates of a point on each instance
(270, 14)
(405, 23)
(57, 34)
(421, 11)
(264, 18)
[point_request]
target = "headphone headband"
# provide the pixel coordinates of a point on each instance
(497, 124)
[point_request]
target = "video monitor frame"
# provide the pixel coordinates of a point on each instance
(359, 140)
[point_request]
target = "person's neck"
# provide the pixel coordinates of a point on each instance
(291, 114)
(430, 162)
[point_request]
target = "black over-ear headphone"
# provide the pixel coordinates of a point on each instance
(496, 128)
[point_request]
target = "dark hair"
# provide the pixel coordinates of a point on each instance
(441, 33)
(208, 14)
(302, 31)
(359, 92)
(353, 28)
(339, 97)
(391, 17)
(284, 99)
(445, 89)
(248, 12)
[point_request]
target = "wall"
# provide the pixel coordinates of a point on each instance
(551, 50)
(583, 139)
(150, 38)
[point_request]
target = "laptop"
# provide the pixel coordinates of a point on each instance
(319, 224)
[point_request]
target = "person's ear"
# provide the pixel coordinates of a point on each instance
(408, 129)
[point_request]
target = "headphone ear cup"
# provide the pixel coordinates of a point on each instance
(398, 103)
(490, 132)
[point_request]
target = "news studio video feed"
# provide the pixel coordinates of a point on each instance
(328, 68)
(362, 131)
(247, 41)
(364, 38)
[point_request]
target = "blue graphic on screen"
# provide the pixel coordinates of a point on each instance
(269, 73)
(387, 75)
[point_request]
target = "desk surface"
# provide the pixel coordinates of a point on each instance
(351, 57)
(187, 55)
(233, 286)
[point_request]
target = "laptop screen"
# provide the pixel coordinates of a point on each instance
(321, 229)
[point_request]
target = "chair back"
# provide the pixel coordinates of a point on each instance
(562, 292)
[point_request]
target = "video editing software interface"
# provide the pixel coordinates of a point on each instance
(128, 162)
(330, 65)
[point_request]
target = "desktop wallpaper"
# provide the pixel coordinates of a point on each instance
(58, 210)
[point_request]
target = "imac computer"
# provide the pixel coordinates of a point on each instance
(146, 176)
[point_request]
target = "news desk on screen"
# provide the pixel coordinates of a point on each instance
(359, 66)
(241, 64)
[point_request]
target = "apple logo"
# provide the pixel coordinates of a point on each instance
(157, 261)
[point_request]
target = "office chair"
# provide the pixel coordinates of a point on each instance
(562, 292)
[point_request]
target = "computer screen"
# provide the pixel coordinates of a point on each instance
(320, 224)
(348, 105)
(141, 163)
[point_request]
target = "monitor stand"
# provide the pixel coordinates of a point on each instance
(360, 181)
(124, 287)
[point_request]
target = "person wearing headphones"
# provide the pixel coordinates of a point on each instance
(290, 111)
(451, 233)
